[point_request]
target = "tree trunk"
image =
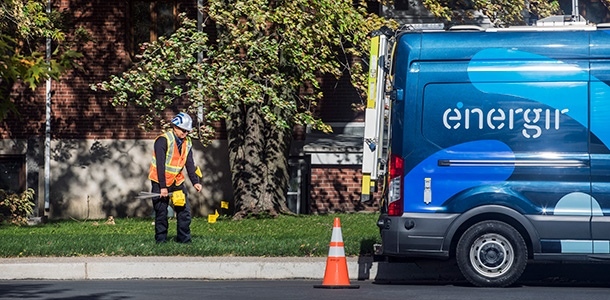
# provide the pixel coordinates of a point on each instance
(258, 159)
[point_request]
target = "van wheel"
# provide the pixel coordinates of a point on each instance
(491, 254)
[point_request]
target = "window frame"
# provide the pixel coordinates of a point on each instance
(153, 29)
(21, 171)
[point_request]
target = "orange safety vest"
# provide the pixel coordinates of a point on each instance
(174, 160)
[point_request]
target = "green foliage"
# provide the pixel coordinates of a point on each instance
(168, 69)
(24, 27)
(270, 51)
(266, 54)
(502, 13)
(283, 236)
(16, 208)
(545, 8)
(261, 75)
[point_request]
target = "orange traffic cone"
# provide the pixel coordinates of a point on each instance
(336, 275)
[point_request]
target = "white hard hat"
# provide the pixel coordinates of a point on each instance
(184, 121)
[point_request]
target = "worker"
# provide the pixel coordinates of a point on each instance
(172, 153)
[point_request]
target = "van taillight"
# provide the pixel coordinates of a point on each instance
(395, 201)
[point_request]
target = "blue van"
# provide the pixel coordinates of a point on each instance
(499, 149)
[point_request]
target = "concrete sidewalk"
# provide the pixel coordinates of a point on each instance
(212, 268)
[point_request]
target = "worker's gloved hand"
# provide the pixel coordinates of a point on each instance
(163, 192)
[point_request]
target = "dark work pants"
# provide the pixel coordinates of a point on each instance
(183, 215)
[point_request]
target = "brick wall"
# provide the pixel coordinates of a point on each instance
(80, 113)
(337, 189)
(77, 111)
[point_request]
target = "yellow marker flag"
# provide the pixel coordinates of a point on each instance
(224, 204)
(212, 218)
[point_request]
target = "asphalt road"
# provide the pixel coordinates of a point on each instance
(284, 289)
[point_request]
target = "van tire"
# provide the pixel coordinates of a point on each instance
(491, 254)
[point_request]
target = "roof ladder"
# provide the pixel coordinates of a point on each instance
(375, 117)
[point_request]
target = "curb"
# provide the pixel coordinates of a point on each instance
(210, 268)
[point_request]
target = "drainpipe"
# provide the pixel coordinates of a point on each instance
(47, 138)
(199, 56)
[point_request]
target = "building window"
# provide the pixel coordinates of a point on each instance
(12, 173)
(150, 19)
(402, 5)
(297, 195)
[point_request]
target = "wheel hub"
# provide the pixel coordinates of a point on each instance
(491, 255)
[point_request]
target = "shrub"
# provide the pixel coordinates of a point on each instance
(16, 208)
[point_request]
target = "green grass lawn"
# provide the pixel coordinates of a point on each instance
(283, 236)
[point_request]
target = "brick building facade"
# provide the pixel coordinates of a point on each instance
(98, 156)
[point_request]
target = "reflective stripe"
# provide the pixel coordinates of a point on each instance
(169, 156)
(336, 252)
(174, 162)
(336, 248)
(336, 236)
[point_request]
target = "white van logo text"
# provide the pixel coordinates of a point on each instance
(535, 120)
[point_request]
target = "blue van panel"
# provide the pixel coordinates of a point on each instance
(464, 45)
(600, 44)
(518, 120)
